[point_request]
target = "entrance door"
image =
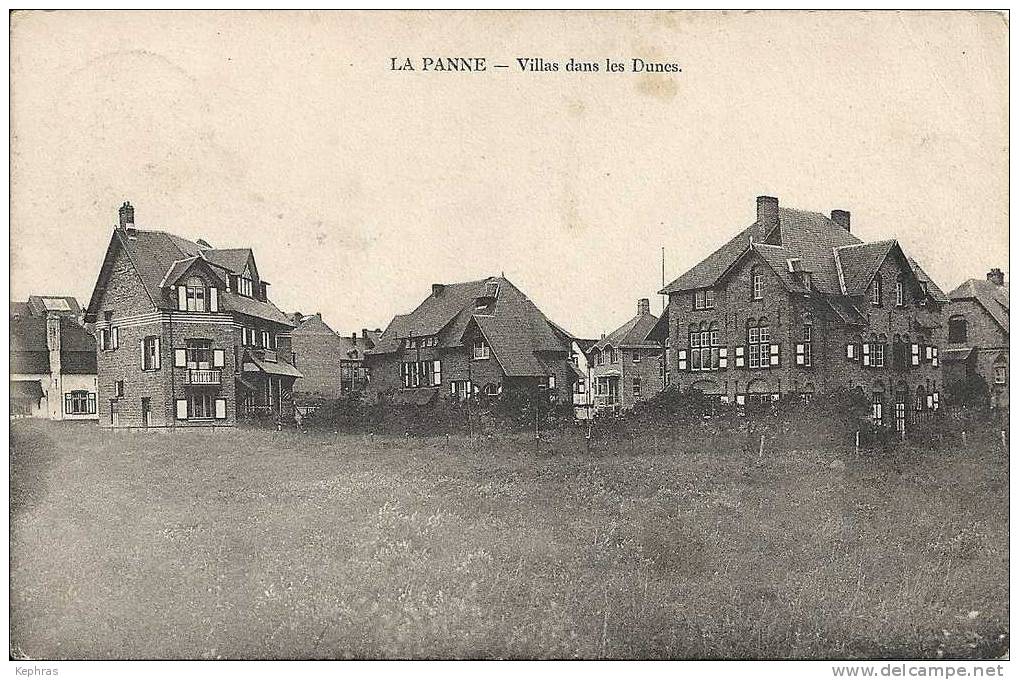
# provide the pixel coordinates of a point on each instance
(146, 412)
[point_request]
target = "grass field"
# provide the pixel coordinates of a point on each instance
(254, 544)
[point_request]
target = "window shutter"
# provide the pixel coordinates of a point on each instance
(180, 358)
(182, 409)
(915, 354)
(866, 354)
(774, 355)
(681, 359)
(934, 358)
(141, 347)
(213, 299)
(182, 298)
(935, 401)
(116, 337)
(220, 409)
(218, 358)
(723, 357)
(799, 354)
(158, 358)
(740, 359)
(850, 351)
(741, 399)
(67, 403)
(929, 355)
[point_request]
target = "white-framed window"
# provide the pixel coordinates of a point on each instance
(877, 408)
(244, 286)
(636, 356)
(118, 388)
(705, 347)
(150, 353)
(757, 283)
(851, 352)
(636, 386)
(436, 372)
(265, 340)
(899, 294)
(201, 405)
(579, 386)
(410, 373)
(934, 357)
(704, 299)
(914, 354)
(875, 291)
(1000, 374)
(480, 349)
(194, 295)
(878, 355)
(551, 382)
(79, 403)
(681, 360)
(759, 342)
(492, 390)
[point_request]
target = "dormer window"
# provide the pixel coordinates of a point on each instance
(480, 349)
(244, 286)
(194, 294)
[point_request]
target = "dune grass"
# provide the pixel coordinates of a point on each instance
(255, 544)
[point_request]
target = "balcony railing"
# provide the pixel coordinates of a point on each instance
(267, 355)
(203, 376)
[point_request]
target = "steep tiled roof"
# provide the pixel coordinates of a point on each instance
(514, 327)
(932, 288)
(809, 236)
(30, 354)
(840, 265)
(159, 256)
(860, 262)
(633, 333)
(232, 259)
(991, 297)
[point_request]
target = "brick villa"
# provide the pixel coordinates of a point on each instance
(626, 365)
(187, 335)
(472, 338)
(977, 342)
(796, 304)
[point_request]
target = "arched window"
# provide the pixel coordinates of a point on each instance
(757, 283)
(957, 328)
(195, 294)
(875, 291)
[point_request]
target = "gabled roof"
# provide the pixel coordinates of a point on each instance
(809, 236)
(514, 327)
(993, 298)
(932, 288)
(839, 263)
(29, 352)
(860, 262)
(160, 258)
(231, 259)
(633, 333)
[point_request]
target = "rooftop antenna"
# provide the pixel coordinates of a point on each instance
(663, 279)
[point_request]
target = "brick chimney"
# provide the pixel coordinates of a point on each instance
(643, 306)
(841, 218)
(126, 215)
(437, 289)
(767, 210)
(996, 276)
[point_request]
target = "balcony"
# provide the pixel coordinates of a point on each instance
(202, 376)
(267, 355)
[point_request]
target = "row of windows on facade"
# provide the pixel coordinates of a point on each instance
(197, 354)
(80, 403)
(195, 296)
(705, 299)
(610, 355)
(109, 340)
(429, 374)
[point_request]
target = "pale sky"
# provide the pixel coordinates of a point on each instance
(358, 187)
